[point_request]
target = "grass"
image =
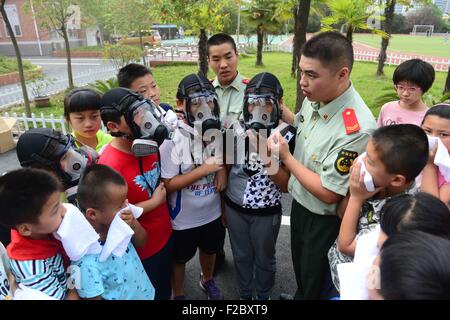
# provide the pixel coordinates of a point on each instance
(9, 65)
(363, 77)
(429, 46)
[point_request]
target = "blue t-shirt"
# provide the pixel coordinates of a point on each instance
(117, 278)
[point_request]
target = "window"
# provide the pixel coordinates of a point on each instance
(13, 16)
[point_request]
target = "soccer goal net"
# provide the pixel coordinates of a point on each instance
(423, 30)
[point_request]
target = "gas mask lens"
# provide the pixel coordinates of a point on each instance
(145, 119)
(73, 163)
(201, 108)
(261, 111)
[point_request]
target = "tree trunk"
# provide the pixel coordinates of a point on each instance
(26, 101)
(301, 16)
(142, 46)
(202, 56)
(350, 33)
(389, 17)
(447, 83)
(260, 35)
(69, 58)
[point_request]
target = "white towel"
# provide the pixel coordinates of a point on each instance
(119, 234)
(25, 293)
(77, 235)
(442, 158)
(368, 180)
(353, 277)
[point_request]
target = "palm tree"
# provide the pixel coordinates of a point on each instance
(261, 15)
(351, 15)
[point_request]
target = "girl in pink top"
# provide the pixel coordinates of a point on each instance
(411, 79)
(436, 123)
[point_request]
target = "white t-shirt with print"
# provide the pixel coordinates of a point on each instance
(196, 204)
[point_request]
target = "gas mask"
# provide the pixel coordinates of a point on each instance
(202, 111)
(150, 126)
(261, 112)
(57, 151)
(75, 160)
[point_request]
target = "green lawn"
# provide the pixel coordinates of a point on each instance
(430, 46)
(363, 76)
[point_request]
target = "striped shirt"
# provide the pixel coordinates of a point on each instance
(46, 275)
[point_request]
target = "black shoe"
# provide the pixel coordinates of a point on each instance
(286, 296)
(220, 261)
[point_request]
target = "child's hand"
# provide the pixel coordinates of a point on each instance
(128, 217)
(160, 193)
(211, 165)
(220, 181)
(356, 185)
(277, 145)
(432, 155)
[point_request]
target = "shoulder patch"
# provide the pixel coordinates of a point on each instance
(344, 161)
(350, 121)
(245, 81)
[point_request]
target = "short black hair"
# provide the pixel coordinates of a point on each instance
(92, 190)
(131, 72)
(23, 194)
(218, 39)
(403, 149)
(420, 211)
(415, 71)
(442, 110)
(332, 49)
(81, 99)
(415, 265)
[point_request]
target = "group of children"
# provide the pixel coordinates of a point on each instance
(189, 189)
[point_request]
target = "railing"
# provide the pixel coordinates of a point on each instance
(25, 123)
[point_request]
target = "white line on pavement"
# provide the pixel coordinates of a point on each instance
(64, 63)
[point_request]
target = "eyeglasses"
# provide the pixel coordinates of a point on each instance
(409, 89)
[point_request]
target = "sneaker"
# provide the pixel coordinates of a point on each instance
(179, 298)
(262, 298)
(211, 289)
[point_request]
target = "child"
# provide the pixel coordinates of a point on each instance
(53, 151)
(253, 196)
(189, 179)
(5, 275)
(415, 265)
(393, 165)
(102, 194)
(30, 205)
(142, 174)
(140, 79)
(420, 211)
(406, 213)
(412, 79)
(82, 113)
(436, 123)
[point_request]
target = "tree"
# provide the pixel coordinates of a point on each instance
(55, 14)
(428, 14)
(130, 16)
(199, 17)
(97, 12)
(301, 14)
(261, 15)
(350, 15)
(447, 83)
(387, 27)
(18, 57)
